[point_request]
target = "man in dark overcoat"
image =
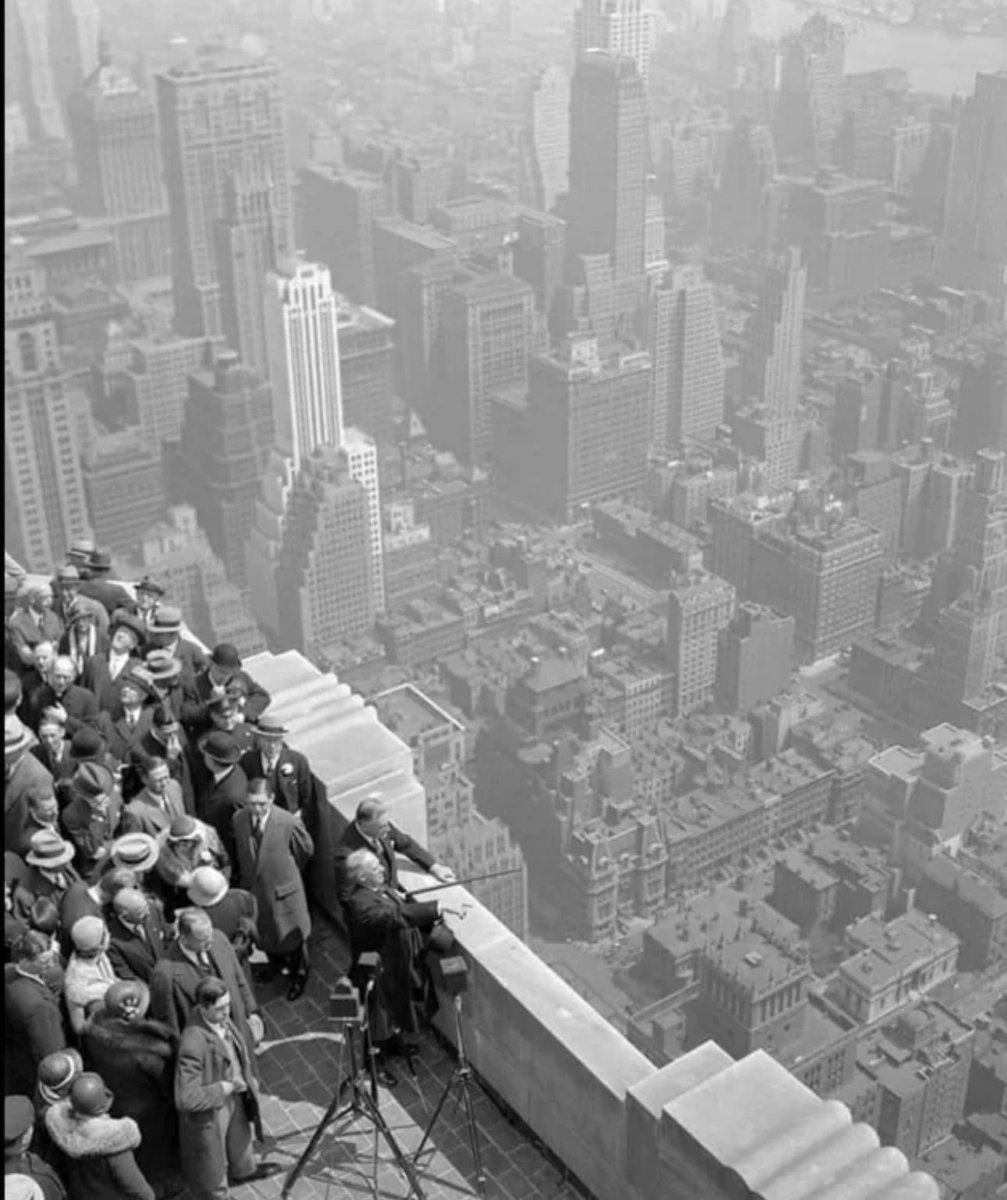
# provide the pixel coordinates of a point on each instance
(286, 771)
(273, 849)
(372, 830)
(217, 1097)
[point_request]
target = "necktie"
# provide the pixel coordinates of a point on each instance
(257, 831)
(204, 961)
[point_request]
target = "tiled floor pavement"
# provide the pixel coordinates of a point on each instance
(299, 1070)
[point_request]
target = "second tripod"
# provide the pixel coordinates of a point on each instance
(453, 976)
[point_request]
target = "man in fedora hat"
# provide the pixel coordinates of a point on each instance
(91, 819)
(100, 585)
(232, 910)
(164, 632)
(165, 739)
(273, 849)
(49, 857)
(60, 692)
(286, 771)
(66, 589)
(82, 639)
(223, 714)
(138, 852)
(130, 720)
(149, 594)
(88, 746)
(225, 787)
(33, 621)
(25, 778)
(188, 845)
(212, 682)
(165, 673)
(102, 671)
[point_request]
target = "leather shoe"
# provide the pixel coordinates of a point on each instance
(386, 1078)
(297, 986)
(263, 1171)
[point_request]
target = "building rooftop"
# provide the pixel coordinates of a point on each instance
(887, 951)
(410, 713)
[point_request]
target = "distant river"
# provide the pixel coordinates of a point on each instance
(935, 61)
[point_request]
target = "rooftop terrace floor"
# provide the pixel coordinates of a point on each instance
(299, 1072)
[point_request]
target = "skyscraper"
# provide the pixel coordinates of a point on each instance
(981, 422)
(732, 45)
(544, 142)
(113, 126)
(303, 350)
(772, 366)
(607, 205)
(74, 34)
(245, 242)
(302, 334)
(487, 323)
(366, 350)
(856, 413)
(226, 439)
(28, 70)
(339, 208)
(44, 503)
(748, 200)
(688, 363)
(220, 114)
(698, 609)
(975, 232)
(624, 27)
(809, 103)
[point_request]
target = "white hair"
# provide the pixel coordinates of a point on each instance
(361, 864)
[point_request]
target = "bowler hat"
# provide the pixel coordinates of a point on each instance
(138, 851)
(207, 886)
(87, 744)
(89, 1097)
(87, 933)
(226, 656)
(220, 746)
(48, 850)
(166, 620)
(100, 560)
(162, 665)
(147, 584)
(91, 779)
(15, 736)
(165, 721)
(18, 1118)
(122, 618)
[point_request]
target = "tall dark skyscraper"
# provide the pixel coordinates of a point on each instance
(220, 115)
(976, 207)
(339, 209)
(113, 127)
(981, 423)
(772, 366)
(607, 206)
(245, 241)
(809, 104)
(748, 200)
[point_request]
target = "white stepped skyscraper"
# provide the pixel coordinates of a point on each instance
(624, 27)
(302, 336)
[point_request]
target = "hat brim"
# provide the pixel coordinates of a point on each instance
(95, 755)
(51, 863)
(204, 901)
(153, 852)
(23, 742)
(128, 621)
(232, 759)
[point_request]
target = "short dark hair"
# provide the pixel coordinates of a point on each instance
(44, 915)
(210, 990)
(30, 946)
(191, 920)
(369, 807)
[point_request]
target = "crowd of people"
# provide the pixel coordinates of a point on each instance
(157, 833)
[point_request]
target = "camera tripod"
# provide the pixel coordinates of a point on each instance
(461, 1078)
(360, 1087)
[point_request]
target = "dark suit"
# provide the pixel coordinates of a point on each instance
(146, 814)
(28, 780)
(290, 779)
(97, 677)
(95, 643)
(120, 736)
(175, 978)
(133, 956)
(382, 921)
(256, 699)
(218, 803)
(272, 871)
(394, 842)
(62, 766)
(180, 768)
(90, 832)
(25, 632)
(80, 706)
(110, 595)
(33, 1028)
